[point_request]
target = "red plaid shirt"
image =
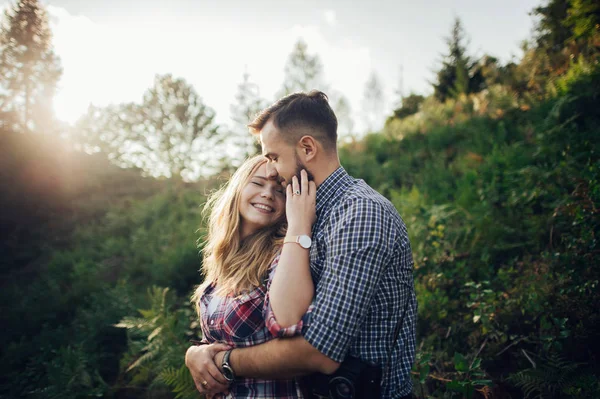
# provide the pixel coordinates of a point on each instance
(248, 320)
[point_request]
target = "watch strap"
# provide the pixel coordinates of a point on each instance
(291, 239)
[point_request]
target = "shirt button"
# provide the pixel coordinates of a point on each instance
(212, 322)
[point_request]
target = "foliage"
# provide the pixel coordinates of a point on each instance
(566, 31)
(502, 211)
(553, 377)
(247, 106)
(459, 74)
(157, 342)
(303, 71)
(91, 275)
(168, 134)
(29, 69)
(343, 112)
(373, 102)
(180, 382)
(410, 106)
(499, 188)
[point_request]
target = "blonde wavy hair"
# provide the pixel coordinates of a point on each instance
(236, 265)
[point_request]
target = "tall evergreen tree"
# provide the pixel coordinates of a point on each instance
(343, 112)
(303, 71)
(567, 23)
(551, 33)
(373, 102)
(459, 73)
(171, 133)
(248, 104)
(29, 69)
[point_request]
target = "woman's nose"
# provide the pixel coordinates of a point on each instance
(267, 192)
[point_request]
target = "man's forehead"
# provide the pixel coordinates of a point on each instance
(269, 132)
(272, 177)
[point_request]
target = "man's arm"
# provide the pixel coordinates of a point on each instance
(279, 358)
(360, 237)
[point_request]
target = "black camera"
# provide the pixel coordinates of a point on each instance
(354, 379)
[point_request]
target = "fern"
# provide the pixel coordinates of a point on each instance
(157, 344)
(550, 378)
(70, 376)
(180, 381)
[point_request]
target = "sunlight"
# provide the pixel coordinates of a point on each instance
(106, 64)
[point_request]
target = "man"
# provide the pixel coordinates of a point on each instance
(361, 263)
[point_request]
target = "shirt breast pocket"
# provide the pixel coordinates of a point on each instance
(245, 315)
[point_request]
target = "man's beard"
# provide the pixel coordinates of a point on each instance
(299, 167)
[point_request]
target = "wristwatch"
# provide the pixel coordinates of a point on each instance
(227, 370)
(303, 240)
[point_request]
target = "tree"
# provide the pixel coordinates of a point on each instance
(565, 31)
(343, 112)
(303, 72)
(410, 105)
(373, 100)
(571, 25)
(248, 104)
(171, 133)
(551, 33)
(584, 20)
(459, 73)
(29, 69)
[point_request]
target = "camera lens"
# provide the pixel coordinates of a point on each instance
(341, 388)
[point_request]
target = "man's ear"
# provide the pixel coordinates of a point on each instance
(308, 148)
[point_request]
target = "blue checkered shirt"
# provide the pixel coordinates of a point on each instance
(362, 266)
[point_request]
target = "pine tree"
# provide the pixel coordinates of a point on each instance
(551, 33)
(373, 102)
(247, 105)
(459, 73)
(303, 71)
(172, 133)
(29, 69)
(343, 112)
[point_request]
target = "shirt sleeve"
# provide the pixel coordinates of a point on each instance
(359, 240)
(271, 322)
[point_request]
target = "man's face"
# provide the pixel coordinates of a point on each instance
(281, 156)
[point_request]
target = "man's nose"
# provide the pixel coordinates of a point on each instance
(271, 171)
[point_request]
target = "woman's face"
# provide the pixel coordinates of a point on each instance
(262, 202)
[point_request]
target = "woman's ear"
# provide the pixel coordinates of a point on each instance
(308, 148)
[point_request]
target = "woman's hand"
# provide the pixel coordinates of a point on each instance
(300, 205)
(206, 375)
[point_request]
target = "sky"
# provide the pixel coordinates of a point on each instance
(110, 50)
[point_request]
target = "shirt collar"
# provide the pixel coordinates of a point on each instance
(331, 185)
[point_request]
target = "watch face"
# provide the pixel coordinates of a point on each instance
(228, 373)
(304, 241)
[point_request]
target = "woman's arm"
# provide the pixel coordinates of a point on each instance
(292, 289)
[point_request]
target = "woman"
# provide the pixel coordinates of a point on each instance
(247, 227)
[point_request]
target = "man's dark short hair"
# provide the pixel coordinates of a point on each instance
(300, 114)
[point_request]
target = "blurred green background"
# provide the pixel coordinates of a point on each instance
(496, 175)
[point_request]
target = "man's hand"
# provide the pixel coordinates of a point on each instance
(206, 375)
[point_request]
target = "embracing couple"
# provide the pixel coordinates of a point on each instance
(308, 288)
